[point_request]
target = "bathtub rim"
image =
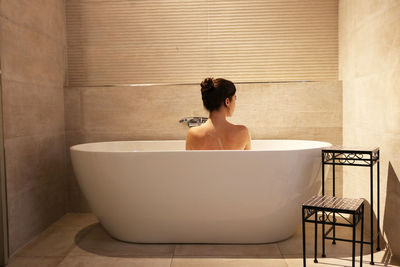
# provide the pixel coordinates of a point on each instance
(80, 147)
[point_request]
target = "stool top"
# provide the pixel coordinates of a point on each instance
(334, 203)
(351, 149)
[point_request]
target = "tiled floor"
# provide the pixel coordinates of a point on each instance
(79, 240)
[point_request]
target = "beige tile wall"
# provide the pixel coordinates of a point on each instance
(369, 65)
(33, 65)
(36, 137)
(310, 110)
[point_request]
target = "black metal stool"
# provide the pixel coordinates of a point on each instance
(332, 205)
(356, 156)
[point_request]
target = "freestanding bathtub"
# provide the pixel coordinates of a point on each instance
(156, 192)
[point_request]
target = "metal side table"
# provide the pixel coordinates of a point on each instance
(355, 156)
(328, 205)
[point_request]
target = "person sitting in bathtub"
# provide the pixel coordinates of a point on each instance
(219, 99)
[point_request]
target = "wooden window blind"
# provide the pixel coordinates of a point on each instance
(184, 41)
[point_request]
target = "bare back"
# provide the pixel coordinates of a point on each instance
(222, 137)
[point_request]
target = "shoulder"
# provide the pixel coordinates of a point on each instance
(193, 137)
(241, 129)
(243, 134)
(195, 131)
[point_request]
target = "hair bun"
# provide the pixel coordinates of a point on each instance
(207, 84)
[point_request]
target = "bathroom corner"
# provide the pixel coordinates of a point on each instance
(80, 71)
(33, 66)
(369, 66)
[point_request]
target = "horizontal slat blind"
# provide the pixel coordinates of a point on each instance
(183, 41)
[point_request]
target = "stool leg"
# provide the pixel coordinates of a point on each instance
(378, 248)
(323, 234)
(372, 213)
(323, 174)
(334, 194)
(353, 251)
(304, 239)
(362, 234)
(334, 229)
(315, 236)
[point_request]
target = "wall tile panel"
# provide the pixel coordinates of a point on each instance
(310, 111)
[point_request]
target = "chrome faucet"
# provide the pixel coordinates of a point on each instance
(193, 121)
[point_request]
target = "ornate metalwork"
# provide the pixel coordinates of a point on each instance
(327, 156)
(350, 158)
(327, 218)
(309, 212)
(330, 219)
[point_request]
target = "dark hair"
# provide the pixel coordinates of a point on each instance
(215, 91)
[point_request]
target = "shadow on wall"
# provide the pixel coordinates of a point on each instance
(391, 225)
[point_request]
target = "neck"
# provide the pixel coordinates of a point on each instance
(218, 116)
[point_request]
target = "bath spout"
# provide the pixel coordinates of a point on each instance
(193, 121)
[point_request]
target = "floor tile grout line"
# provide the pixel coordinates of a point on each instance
(282, 256)
(173, 255)
(70, 250)
(59, 264)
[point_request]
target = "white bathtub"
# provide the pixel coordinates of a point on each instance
(156, 192)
